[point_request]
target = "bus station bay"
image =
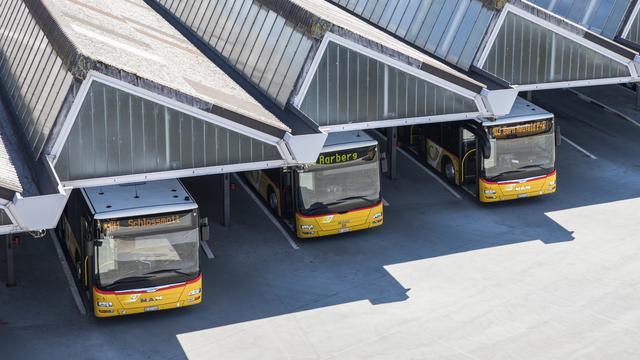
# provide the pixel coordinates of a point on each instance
(320, 179)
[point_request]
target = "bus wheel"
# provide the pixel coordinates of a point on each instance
(448, 170)
(273, 200)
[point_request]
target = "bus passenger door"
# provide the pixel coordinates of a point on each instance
(469, 164)
(87, 256)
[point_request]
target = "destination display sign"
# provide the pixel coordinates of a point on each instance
(156, 222)
(346, 156)
(522, 129)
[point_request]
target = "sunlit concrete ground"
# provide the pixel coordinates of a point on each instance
(547, 278)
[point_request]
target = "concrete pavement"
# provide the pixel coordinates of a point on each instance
(544, 278)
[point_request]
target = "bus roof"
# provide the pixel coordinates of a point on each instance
(153, 197)
(347, 140)
(522, 110)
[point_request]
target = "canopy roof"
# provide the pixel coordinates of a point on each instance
(284, 47)
(103, 92)
(466, 33)
(49, 48)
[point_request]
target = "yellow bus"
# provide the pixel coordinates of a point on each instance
(507, 158)
(134, 248)
(339, 193)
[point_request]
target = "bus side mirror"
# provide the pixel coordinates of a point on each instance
(89, 246)
(486, 148)
(558, 136)
(204, 229)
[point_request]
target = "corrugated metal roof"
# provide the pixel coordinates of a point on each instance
(33, 78)
(257, 40)
(14, 172)
(604, 17)
(8, 176)
(450, 29)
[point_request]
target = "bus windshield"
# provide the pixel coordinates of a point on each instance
(161, 247)
(520, 157)
(329, 189)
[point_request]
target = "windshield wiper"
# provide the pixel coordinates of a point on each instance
(533, 166)
(495, 178)
(126, 280)
(356, 198)
(177, 271)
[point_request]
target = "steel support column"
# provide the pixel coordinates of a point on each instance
(392, 152)
(226, 200)
(11, 276)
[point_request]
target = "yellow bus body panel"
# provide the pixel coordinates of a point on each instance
(324, 225)
(512, 190)
(146, 300)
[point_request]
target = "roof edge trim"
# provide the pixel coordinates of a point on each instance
(164, 175)
(379, 124)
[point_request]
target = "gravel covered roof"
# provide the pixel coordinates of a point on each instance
(129, 39)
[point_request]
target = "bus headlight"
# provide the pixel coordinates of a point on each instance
(104, 304)
(377, 216)
(195, 292)
(490, 192)
(551, 183)
(306, 227)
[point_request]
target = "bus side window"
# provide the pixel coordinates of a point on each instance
(434, 133)
(451, 135)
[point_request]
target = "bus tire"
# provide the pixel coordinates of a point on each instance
(272, 199)
(448, 170)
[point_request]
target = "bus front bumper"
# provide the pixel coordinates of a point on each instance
(518, 189)
(332, 224)
(117, 303)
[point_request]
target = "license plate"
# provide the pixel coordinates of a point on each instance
(344, 230)
(523, 195)
(151, 308)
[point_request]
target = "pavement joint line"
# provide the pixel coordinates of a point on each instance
(207, 249)
(579, 148)
(436, 177)
(67, 273)
(608, 108)
(268, 212)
